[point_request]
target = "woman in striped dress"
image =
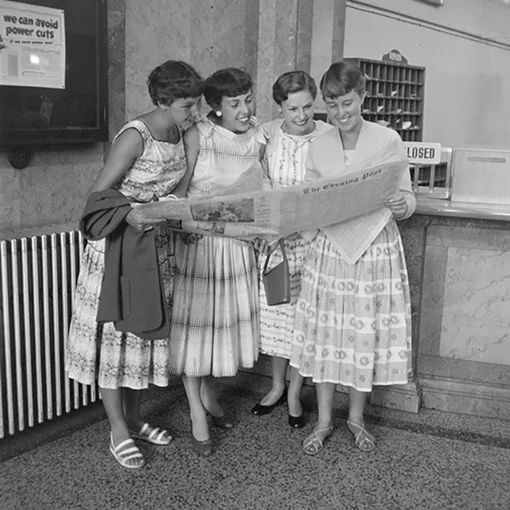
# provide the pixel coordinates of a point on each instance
(353, 316)
(288, 140)
(215, 323)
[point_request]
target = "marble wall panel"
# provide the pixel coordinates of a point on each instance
(285, 44)
(464, 347)
(252, 37)
(52, 189)
(475, 322)
(431, 307)
(266, 60)
(286, 30)
(156, 31)
(466, 290)
(413, 232)
(116, 66)
(9, 195)
(323, 30)
(337, 50)
(304, 36)
(218, 34)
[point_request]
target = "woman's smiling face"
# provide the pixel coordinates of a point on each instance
(236, 112)
(184, 111)
(345, 111)
(297, 111)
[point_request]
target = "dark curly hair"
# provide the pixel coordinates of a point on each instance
(291, 82)
(174, 80)
(229, 82)
(340, 79)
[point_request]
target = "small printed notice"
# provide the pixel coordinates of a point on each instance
(32, 46)
(422, 153)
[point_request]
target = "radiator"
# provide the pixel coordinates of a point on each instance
(38, 273)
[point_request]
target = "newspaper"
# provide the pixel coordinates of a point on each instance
(245, 210)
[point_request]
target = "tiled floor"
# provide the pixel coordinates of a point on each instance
(427, 461)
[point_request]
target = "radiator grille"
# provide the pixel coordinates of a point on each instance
(38, 275)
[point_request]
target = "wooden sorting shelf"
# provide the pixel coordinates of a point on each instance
(394, 96)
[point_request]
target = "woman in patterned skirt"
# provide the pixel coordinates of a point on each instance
(288, 141)
(353, 316)
(147, 160)
(215, 322)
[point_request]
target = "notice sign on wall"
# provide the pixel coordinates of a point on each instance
(422, 153)
(32, 46)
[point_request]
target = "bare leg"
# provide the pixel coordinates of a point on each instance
(314, 443)
(325, 396)
(364, 440)
(279, 371)
(112, 401)
(208, 396)
(131, 404)
(294, 394)
(198, 414)
(357, 401)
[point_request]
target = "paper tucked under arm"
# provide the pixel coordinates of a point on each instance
(353, 237)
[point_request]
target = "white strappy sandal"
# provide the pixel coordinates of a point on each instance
(126, 451)
(314, 443)
(158, 436)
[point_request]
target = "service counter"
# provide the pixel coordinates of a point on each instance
(459, 270)
(457, 248)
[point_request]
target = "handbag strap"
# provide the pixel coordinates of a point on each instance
(280, 245)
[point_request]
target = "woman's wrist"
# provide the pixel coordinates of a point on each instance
(406, 210)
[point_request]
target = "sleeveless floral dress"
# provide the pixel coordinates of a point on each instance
(98, 351)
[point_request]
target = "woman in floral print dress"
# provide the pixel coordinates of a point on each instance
(147, 160)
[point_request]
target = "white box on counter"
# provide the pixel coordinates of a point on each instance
(481, 175)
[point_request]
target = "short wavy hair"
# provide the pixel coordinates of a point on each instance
(292, 82)
(229, 82)
(174, 80)
(340, 79)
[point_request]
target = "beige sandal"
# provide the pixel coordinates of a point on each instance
(313, 444)
(362, 437)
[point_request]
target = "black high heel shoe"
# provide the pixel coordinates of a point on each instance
(203, 448)
(297, 422)
(261, 410)
(222, 422)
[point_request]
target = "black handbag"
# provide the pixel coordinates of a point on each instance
(277, 279)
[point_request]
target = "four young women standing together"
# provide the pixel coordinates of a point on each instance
(347, 323)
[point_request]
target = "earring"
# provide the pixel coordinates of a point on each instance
(218, 113)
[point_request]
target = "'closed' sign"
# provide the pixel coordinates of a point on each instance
(423, 153)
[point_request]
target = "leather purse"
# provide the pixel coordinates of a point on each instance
(277, 279)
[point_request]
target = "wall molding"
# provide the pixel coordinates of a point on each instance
(387, 13)
(472, 398)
